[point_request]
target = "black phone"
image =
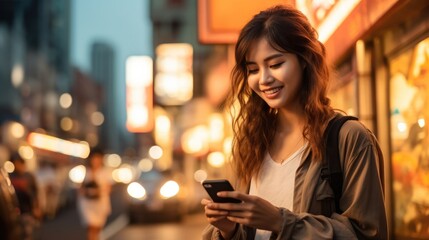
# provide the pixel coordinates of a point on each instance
(218, 185)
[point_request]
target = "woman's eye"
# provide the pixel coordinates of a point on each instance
(252, 71)
(277, 65)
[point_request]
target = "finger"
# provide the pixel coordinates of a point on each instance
(239, 214)
(217, 206)
(220, 215)
(220, 206)
(239, 220)
(215, 213)
(230, 207)
(238, 195)
(205, 201)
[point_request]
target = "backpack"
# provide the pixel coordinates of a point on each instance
(331, 169)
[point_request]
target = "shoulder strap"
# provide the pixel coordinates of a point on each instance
(331, 156)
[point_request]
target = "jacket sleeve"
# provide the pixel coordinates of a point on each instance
(362, 200)
(363, 185)
(309, 226)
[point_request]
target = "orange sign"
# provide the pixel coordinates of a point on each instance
(220, 21)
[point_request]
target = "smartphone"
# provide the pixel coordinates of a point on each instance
(218, 185)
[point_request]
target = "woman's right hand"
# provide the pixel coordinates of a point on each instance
(217, 218)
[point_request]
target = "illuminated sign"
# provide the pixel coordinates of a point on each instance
(139, 72)
(326, 15)
(174, 79)
(220, 22)
(54, 144)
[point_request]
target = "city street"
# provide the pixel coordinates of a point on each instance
(67, 226)
(189, 229)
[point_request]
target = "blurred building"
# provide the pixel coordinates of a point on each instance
(35, 66)
(85, 112)
(38, 86)
(7, 108)
(102, 70)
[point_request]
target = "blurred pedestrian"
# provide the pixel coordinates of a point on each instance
(94, 195)
(280, 82)
(49, 187)
(27, 192)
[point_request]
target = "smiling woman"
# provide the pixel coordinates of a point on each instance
(273, 75)
(280, 81)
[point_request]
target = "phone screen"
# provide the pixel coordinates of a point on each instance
(214, 186)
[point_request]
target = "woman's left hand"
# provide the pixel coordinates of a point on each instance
(253, 211)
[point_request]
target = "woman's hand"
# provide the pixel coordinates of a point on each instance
(217, 218)
(253, 211)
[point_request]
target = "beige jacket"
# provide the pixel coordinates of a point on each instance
(362, 200)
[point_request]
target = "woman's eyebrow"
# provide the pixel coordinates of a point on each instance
(277, 55)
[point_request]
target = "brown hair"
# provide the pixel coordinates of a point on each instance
(287, 30)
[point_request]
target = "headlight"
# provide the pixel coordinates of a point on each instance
(136, 190)
(169, 189)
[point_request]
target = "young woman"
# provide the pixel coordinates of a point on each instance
(280, 81)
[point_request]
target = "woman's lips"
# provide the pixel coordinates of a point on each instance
(272, 92)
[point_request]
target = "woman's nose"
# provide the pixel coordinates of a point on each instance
(265, 78)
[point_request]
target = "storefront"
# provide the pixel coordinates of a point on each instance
(409, 141)
(409, 99)
(384, 79)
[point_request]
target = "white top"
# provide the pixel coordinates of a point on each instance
(94, 212)
(276, 184)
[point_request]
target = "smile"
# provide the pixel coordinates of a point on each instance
(272, 90)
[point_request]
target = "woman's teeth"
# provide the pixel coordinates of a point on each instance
(272, 91)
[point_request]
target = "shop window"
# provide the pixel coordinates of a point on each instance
(409, 101)
(343, 91)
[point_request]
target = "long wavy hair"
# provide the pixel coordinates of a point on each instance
(255, 123)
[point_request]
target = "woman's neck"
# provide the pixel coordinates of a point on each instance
(289, 121)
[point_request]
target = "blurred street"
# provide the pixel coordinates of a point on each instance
(67, 226)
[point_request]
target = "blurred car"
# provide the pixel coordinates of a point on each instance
(156, 196)
(10, 227)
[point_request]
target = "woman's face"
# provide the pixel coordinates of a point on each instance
(275, 76)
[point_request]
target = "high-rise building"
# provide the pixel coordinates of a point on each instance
(35, 65)
(102, 70)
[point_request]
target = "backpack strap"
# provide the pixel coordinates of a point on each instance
(331, 157)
